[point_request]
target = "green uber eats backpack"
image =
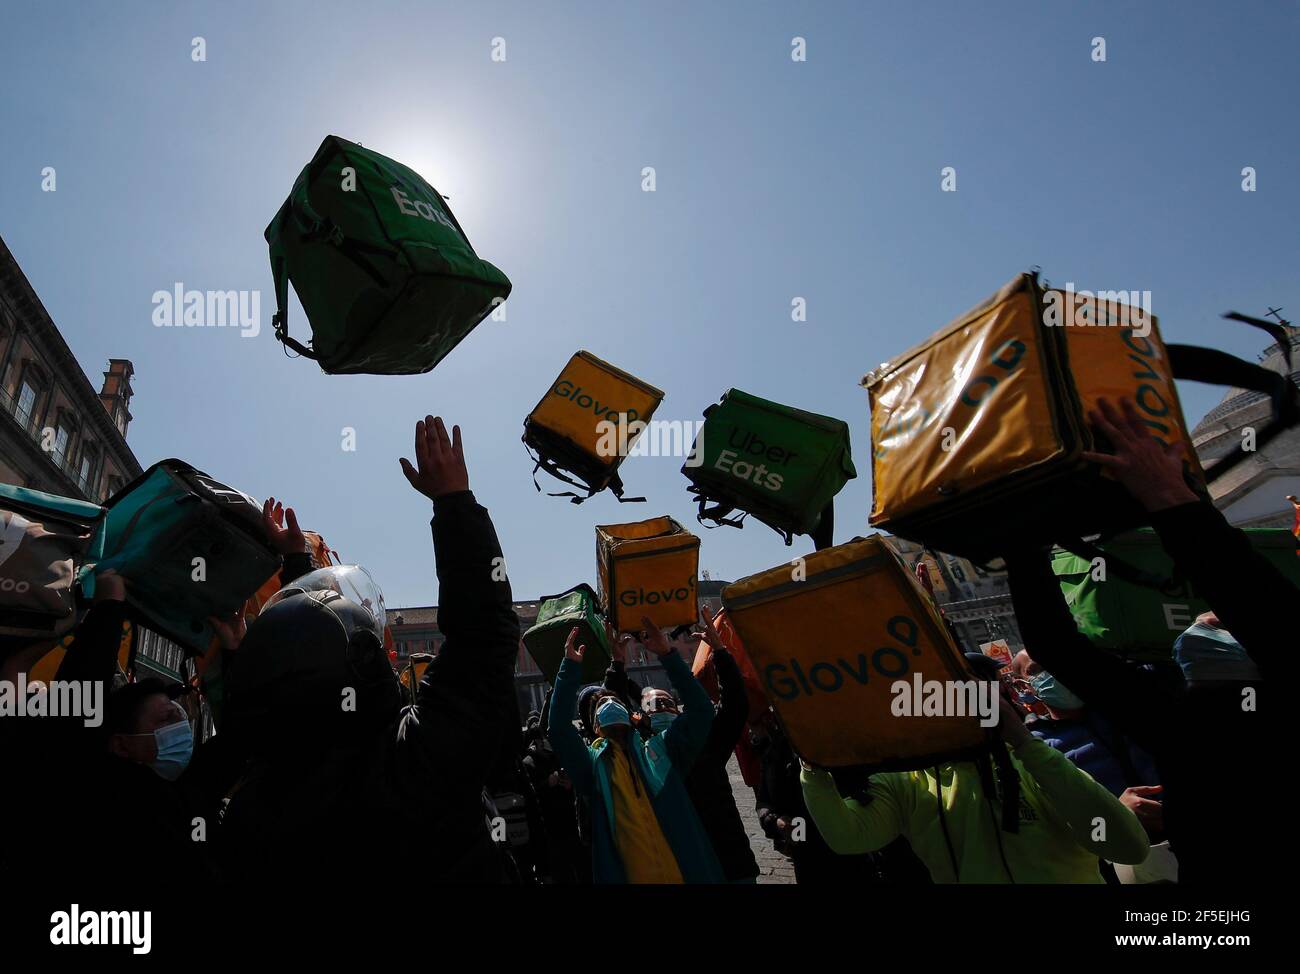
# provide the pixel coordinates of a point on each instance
(556, 617)
(385, 274)
(157, 527)
(1140, 605)
(780, 464)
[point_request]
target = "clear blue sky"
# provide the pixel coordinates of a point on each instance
(775, 179)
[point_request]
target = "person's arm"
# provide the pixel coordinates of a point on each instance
(296, 565)
(567, 743)
(92, 654)
(1095, 819)
(280, 524)
(1104, 681)
(732, 713)
(687, 735)
(1254, 601)
(1251, 598)
(848, 826)
(467, 691)
(733, 709)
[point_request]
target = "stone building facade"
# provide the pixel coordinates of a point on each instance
(58, 433)
(1254, 493)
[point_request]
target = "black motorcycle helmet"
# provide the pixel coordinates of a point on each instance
(314, 657)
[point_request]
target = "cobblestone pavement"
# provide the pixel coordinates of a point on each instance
(772, 866)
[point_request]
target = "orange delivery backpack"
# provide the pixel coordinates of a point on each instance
(647, 568)
(586, 424)
(977, 433)
(830, 636)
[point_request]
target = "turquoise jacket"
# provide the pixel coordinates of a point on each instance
(661, 763)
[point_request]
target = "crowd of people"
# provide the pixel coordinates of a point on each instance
(325, 770)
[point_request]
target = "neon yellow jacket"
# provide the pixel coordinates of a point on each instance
(1067, 821)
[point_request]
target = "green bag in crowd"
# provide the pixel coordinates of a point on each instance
(1141, 608)
(780, 464)
(157, 529)
(556, 617)
(385, 274)
(45, 540)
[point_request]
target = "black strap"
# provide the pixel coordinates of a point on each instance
(280, 320)
(1279, 331)
(824, 534)
(1010, 788)
(542, 462)
(718, 511)
(617, 488)
(1121, 569)
(316, 230)
(943, 823)
(1219, 368)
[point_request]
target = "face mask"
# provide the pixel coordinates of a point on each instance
(175, 747)
(1056, 695)
(661, 721)
(611, 713)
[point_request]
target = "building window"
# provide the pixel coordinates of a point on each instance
(26, 404)
(61, 437)
(65, 430)
(87, 468)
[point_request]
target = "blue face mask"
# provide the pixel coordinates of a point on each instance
(1056, 695)
(175, 744)
(611, 713)
(661, 721)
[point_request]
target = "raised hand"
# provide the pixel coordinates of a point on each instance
(439, 460)
(571, 648)
(653, 638)
(1151, 471)
(710, 635)
(281, 527)
(621, 643)
(1141, 800)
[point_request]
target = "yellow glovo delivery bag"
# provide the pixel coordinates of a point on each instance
(847, 645)
(977, 432)
(647, 568)
(586, 423)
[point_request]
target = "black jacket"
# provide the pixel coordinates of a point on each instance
(335, 808)
(96, 821)
(1216, 760)
(708, 783)
(779, 795)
